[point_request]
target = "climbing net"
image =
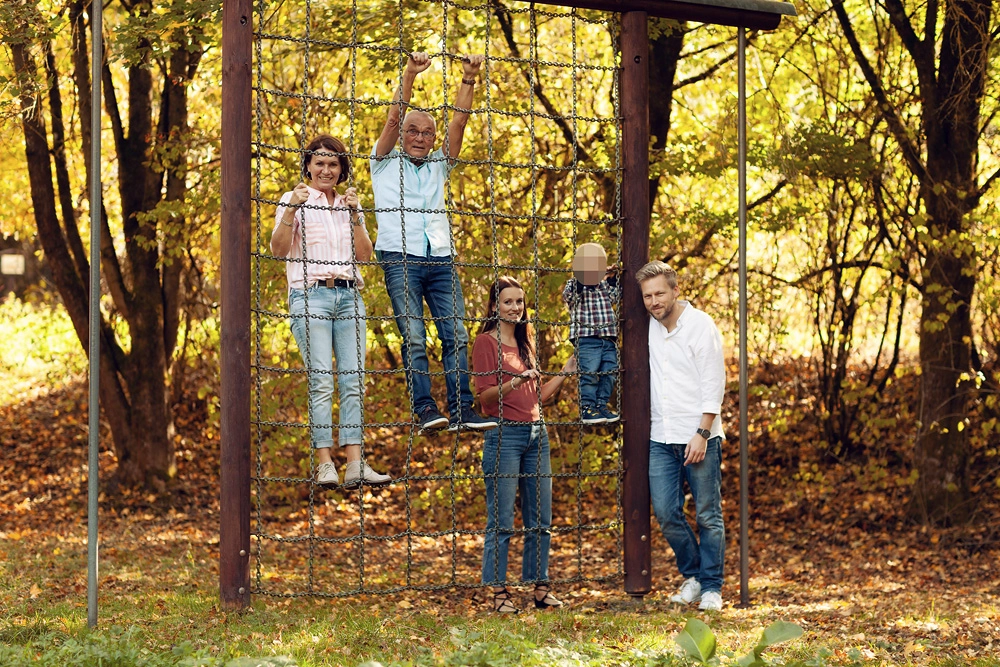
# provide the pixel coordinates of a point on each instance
(538, 174)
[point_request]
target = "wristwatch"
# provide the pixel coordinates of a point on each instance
(704, 432)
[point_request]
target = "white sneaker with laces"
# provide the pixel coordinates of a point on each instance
(690, 592)
(359, 472)
(326, 475)
(711, 601)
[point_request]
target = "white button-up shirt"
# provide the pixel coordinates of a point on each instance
(687, 376)
(424, 221)
(329, 242)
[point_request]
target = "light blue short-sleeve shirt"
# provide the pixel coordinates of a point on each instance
(424, 219)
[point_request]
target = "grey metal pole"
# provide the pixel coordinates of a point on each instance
(93, 426)
(744, 426)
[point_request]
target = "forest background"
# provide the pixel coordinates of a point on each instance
(874, 232)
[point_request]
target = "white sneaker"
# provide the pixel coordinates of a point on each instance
(326, 475)
(711, 601)
(690, 592)
(358, 472)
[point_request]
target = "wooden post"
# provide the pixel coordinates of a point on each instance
(634, 91)
(234, 519)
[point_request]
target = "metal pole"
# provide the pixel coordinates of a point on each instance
(635, 342)
(744, 425)
(234, 520)
(94, 409)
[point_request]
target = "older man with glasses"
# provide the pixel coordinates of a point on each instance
(414, 244)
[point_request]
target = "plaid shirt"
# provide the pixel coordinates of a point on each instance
(591, 311)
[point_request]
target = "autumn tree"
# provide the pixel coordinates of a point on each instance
(145, 76)
(948, 46)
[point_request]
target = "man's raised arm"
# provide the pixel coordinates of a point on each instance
(415, 64)
(463, 101)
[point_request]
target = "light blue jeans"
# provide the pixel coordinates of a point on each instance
(702, 559)
(336, 327)
(517, 457)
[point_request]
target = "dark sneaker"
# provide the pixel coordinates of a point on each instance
(591, 415)
(431, 420)
(470, 419)
(610, 416)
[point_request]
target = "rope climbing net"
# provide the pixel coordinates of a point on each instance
(538, 174)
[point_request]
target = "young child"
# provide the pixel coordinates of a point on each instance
(590, 295)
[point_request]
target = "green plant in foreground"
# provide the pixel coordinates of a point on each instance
(698, 642)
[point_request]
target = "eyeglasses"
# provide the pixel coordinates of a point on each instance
(426, 134)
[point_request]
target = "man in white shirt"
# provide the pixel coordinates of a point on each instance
(687, 381)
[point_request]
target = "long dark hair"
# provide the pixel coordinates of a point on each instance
(523, 331)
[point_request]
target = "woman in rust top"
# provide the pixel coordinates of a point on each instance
(516, 455)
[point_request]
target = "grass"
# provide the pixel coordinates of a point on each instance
(867, 587)
(158, 606)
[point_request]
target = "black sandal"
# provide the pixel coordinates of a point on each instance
(503, 603)
(548, 600)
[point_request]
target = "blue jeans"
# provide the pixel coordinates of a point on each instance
(667, 474)
(517, 457)
(409, 284)
(597, 359)
(336, 326)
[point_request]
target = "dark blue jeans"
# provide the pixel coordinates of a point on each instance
(410, 281)
(597, 358)
(702, 559)
(517, 457)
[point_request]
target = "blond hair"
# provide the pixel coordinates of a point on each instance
(657, 268)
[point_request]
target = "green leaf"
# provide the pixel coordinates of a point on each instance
(777, 632)
(750, 660)
(697, 640)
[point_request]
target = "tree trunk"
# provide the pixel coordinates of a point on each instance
(951, 116)
(951, 92)
(942, 451)
(664, 53)
(146, 294)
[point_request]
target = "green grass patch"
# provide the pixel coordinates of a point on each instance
(159, 606)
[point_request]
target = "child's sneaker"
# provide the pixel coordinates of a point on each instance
(610, 416)
(591, 415)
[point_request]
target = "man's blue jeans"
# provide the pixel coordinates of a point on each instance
(336, 326)
(597, 358)
(667, 474)
(409, 283)
(522, 462)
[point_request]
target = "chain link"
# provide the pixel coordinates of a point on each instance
(541, 163)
